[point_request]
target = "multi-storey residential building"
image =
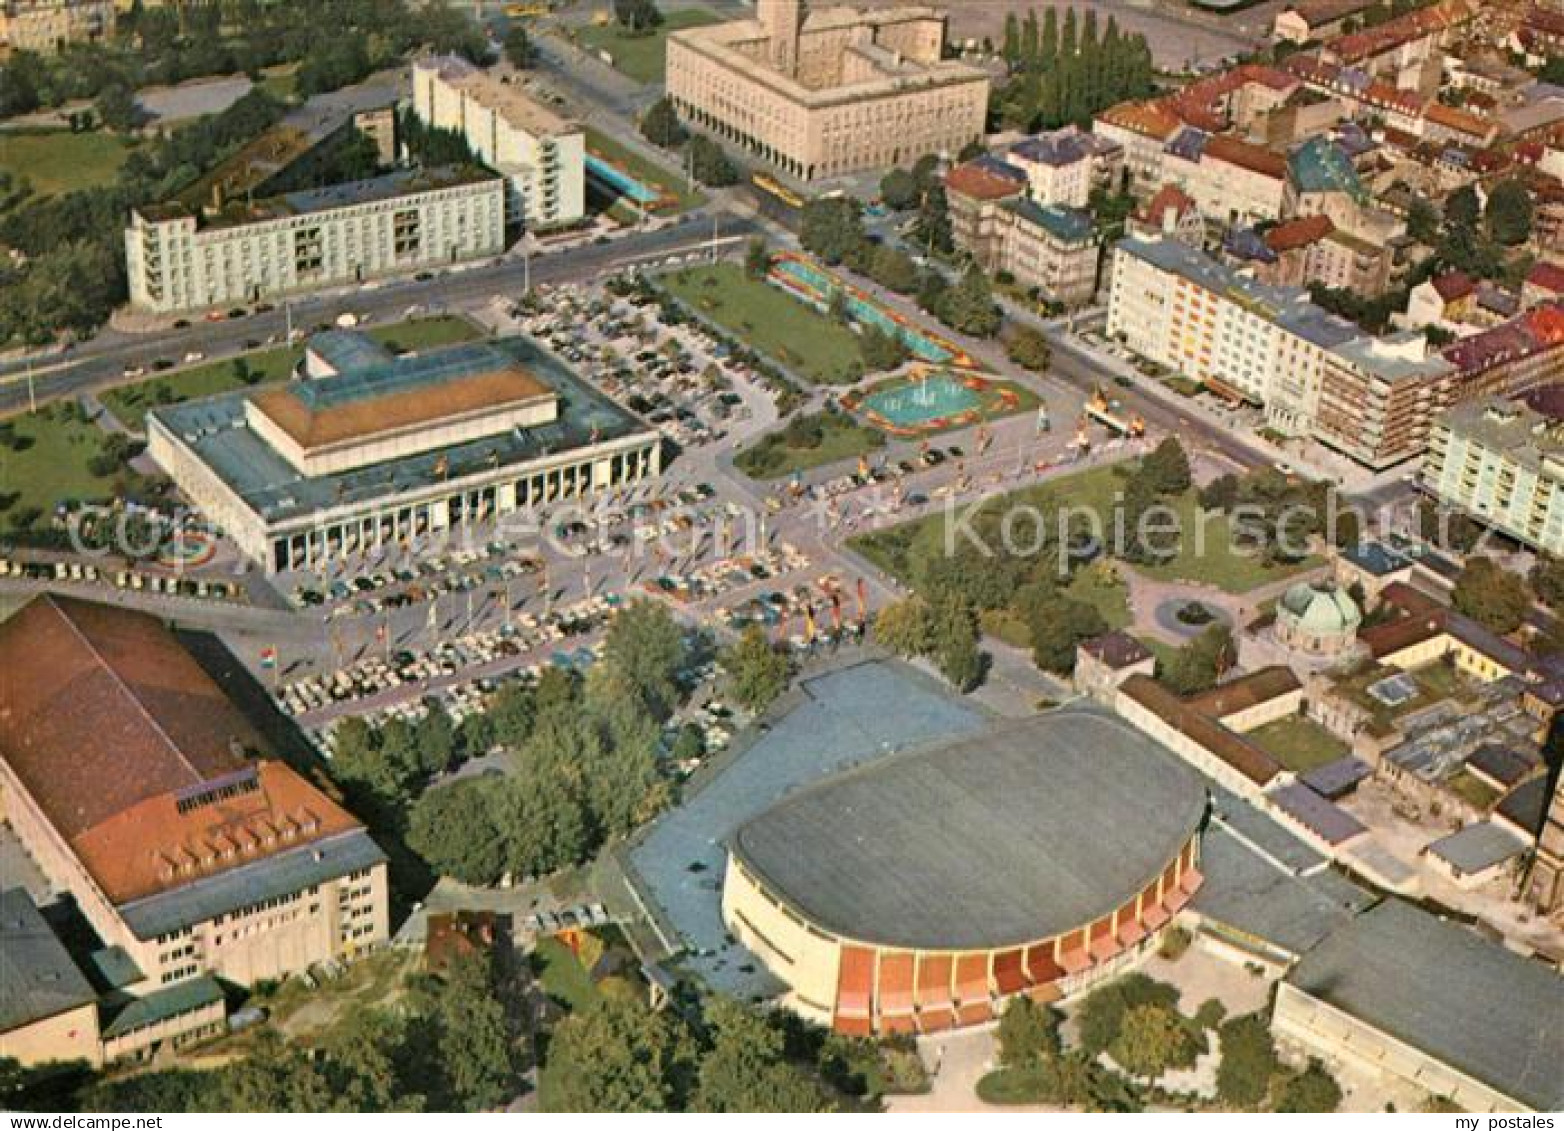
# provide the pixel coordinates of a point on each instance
(183, 257)
(1142, 130)
(1502, 462)
(822, 93)
(541, 155)
(1231, 181)
(1064, 166)
(45, 26)
(139, 786)
(1311, 249)
(1378, 396)
(1052, 248)
(1242, 338)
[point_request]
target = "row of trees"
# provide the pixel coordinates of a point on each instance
(334, 42)
(1136, 1022)
(705, 159)
(584, 755)
(714, 1054)
(1066, 71)
(450, 1044)
(583, 752)
(943, 629)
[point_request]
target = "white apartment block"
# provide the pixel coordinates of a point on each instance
(1503, 463)
(1262, 344)
(541, 155)
(182, 258)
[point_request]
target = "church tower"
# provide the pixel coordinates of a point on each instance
(782, 20)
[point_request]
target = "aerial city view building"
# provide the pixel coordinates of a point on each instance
(676, 556)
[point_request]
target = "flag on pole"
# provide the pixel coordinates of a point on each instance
(268, 657)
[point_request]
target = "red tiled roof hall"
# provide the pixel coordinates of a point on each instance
(140, 762)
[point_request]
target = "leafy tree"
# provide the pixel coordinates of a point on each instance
(618, 1056)
(474, 1044)
(1249, 1061)
(1167, 467)
(932, 292)
(510, 711)
(1028, 1032)
(452, 828)
(638, 16)
(905, 627)
(1102, 1012)
(757, 258)
(1423, 221)
(1152, 1039)
(1314, 1090)
(518, 47)
(1199, 664)
(954, 639)
(758, 672)
(660, 125)
(1030, 349)
(277, 1077)
(969, 306)
(893, 269)
(1058, 624)
(932, 228)
(1491, 595)
(832, 228)
(899, 190)
(1463, 207)
(1547, 581)
(710, 163)
(1508, 216)
(881, 350)
(435, 739)
(645, 649)
(116, 107)
(746, 1069)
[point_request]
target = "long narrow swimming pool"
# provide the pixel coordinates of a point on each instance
(620, 182)
(820, 283)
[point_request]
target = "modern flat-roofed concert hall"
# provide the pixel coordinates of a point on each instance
(917, 893)
(369, 450)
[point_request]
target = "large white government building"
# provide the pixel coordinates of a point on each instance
(370, 450)
(541, 155)
(831, 91)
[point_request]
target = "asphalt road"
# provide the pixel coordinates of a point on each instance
(102, 361)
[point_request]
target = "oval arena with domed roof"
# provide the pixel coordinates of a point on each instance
(921, 891)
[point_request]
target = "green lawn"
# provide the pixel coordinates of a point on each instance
(1298, 743)
(52, 465)
(772, 457)
(1210, 558)
(669, 181)
(129, 403)
(642, 57)
(562, 975)
(57, 161)
(769, 321)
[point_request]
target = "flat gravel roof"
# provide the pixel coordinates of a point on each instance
(1024, 830)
